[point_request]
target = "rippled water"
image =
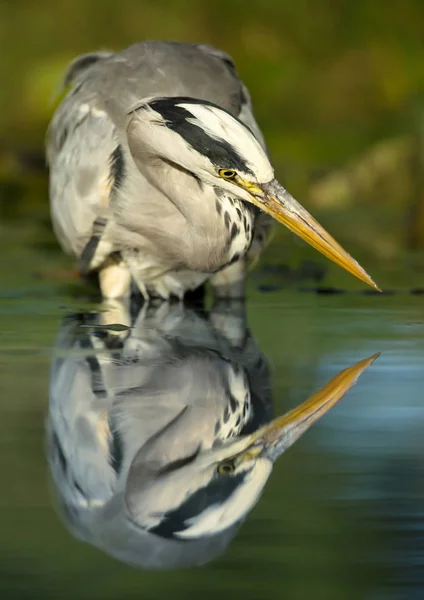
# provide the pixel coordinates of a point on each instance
(342, 514)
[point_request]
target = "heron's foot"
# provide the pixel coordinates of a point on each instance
(115, 312)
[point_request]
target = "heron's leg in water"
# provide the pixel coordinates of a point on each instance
(230, 281)
(115, 280)
(113, 311)
(228, 317)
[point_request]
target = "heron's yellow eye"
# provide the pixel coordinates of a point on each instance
(227, 174)
(226, 468)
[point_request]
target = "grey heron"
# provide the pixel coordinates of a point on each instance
(161, 437)
(159, 173)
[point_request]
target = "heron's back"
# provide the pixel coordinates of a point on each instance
(115, 81)
(90, 121)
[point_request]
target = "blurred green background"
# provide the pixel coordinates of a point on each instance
(337, 86)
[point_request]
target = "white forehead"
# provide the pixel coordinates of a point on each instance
(218, 517)
(221, 125)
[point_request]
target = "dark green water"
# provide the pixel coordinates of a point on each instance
(341, 516)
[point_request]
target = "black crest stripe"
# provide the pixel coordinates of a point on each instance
(217, 492)
(181, 462)
(177, 118)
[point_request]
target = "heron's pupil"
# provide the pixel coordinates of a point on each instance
(226, 468)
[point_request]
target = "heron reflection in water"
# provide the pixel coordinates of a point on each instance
(160, 435)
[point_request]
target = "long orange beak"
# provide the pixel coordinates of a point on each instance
(277, 202)
(276, 437)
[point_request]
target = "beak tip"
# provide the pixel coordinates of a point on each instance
(363, 364)
(374, 357)
(362, 275)
(374, 285)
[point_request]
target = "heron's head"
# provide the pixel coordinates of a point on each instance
(209, 143)
(211, 490)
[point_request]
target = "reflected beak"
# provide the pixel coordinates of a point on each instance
(273, 439)
(277, 202)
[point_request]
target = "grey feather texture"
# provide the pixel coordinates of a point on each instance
(153, 399)
(166, 246)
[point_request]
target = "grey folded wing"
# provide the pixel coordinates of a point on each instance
(90, 123)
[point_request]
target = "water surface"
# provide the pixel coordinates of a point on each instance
(342, 515)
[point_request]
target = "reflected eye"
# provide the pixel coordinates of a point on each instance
(227, 174)
(226, 468)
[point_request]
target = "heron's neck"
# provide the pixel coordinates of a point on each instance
(218, 220)
(220, 224)
(214, 226)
